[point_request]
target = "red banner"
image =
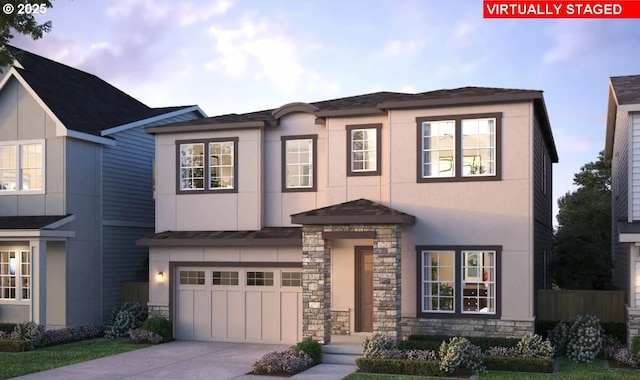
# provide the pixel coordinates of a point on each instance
(561, 9)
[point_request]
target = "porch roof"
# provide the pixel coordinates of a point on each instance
(37, 222)
(360, 211)
(268, 236)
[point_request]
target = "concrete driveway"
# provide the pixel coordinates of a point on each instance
(184, 361)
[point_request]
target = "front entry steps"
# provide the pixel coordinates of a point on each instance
(343, 349)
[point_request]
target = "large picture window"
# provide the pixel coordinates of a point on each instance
(459, 148)
(299, 163)
(455, 281)
(363, 149)
(15, 275)
(208, 166)
(21, 167)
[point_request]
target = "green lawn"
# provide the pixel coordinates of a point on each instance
(568, 371)
(18, 364)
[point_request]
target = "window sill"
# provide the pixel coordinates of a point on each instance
(10, 302)
(483, 178)
(22, 192)
(459, 315)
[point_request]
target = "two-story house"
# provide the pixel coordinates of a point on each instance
(75, 191)
(622, 150)
(386, 212)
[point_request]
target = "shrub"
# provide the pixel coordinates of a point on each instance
(282, 362)
(31, 332)
(425, 355)
(127, 317)
(311, 348)
(460, 352)
(9, 345)
(616, 329)
(371, 345)
(519, 364)
(7, 327)
(533, 346)
(393, 353)
(559, 337)
(585, 339)
(426, 345)
(501, 351)
(160, 326)
(72, 334)
(143, 336)
(432, 342)
(635, 345)
(399, 367)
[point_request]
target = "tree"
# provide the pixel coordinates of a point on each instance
(582, 242)
(19, 16)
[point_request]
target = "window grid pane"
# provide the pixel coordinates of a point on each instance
(225, 278)
(259, 278)
(438, 149)
(8, 166)
(363, 150)
(191, 277)
(25, 274)
(221, 164)
(31, 166)
(291, 279)
(478, 282)
(192, 166)
(299, 165)
(478, 147)
(438, 281)
(8, 270)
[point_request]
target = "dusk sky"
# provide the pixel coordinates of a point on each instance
(239, 56)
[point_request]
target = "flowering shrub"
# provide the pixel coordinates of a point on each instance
(585, 339)
(559, 337)
(72, 334)
(281, 362)
(127, 317)
(426, 355)
(392, 353)
(31, 332)
(375, 343)
(533, 346)
(311, 348)
(459, 352)
(501, 351)
(141, 335)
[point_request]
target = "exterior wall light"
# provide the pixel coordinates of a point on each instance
(160, 277)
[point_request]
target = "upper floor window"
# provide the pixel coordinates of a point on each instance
(363, 149)
(459, 148)
(21, 166)
(299, 163)
(208, 166)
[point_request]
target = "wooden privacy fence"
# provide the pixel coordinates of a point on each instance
(136, 292)
(563, 305)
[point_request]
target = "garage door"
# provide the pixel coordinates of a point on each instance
(258, 305)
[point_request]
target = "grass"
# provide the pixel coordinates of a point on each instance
(18, 364)
(568, 371)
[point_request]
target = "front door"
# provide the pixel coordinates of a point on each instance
(364, 289)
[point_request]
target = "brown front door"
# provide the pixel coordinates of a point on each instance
(364, 289)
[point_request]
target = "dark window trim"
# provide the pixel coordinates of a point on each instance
(207, 169)
(458, 147)
(378, 129)
(458, 281)
(314, 163)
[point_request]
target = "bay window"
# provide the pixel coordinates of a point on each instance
(15, 275)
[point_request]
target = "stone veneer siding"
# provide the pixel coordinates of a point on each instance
(340, 322)
(316, 279)
(471, 327)
(158, 311)
(633, 324)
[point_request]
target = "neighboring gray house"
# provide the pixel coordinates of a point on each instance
(76, 190)
(622, 150)
(386, 212)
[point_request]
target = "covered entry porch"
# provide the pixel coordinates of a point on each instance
(355, 247)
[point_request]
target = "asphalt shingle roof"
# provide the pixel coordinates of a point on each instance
(267, 236)
(82, 101)
(28, 222)
(358, 211)
(627, 89)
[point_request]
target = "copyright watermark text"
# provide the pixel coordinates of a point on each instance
(25, 9)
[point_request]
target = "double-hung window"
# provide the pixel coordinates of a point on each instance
(459, 148)
(15, 275)
(363, 150)
(299, 163)
(208, 166)
(22, 166)
(456, 281)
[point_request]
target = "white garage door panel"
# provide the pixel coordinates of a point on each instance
(233, 311)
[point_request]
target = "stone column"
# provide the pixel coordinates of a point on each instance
(316, 285)
(387, 268)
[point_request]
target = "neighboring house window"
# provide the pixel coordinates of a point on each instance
(22, 166)
(15, 275)
(363, 149)
(457, 281)
(459, 148)
(208, 166)
(299, 163)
